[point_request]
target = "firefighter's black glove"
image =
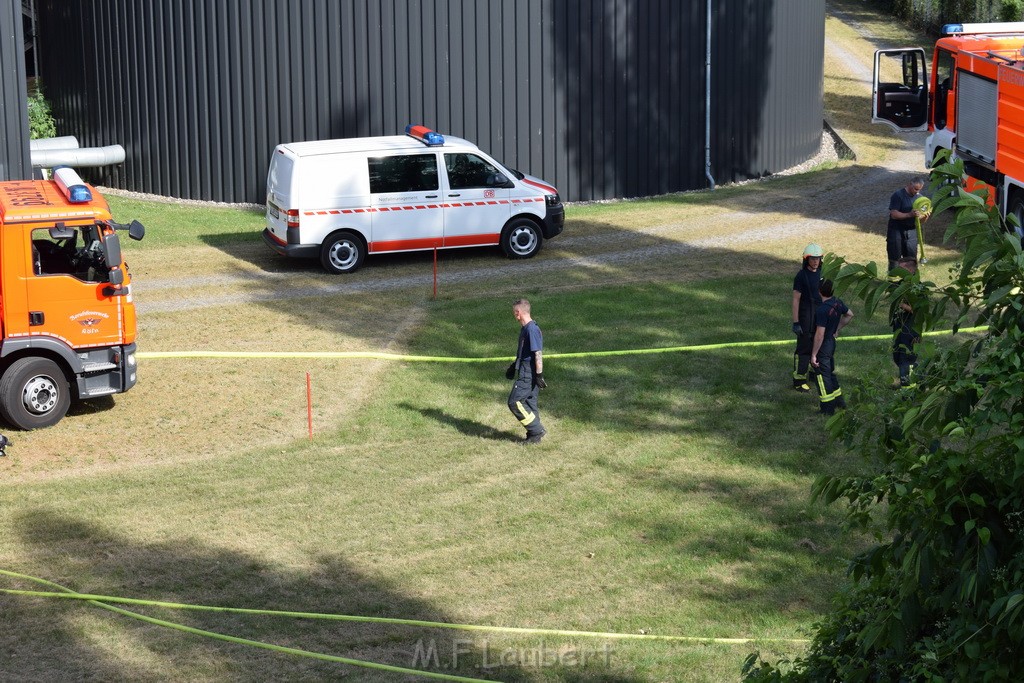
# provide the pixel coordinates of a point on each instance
(510, 373)
(797, 330)
(540, 381)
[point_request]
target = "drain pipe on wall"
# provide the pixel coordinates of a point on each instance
(707, 103)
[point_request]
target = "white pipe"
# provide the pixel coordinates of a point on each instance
(66, 142)
(88, 156)
(707, 103)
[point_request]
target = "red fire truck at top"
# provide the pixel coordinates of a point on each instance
(972, 105)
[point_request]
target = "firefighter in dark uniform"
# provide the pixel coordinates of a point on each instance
(805, 301)
(528, 372)
(901, 232)
(901, 316)
(831, 317)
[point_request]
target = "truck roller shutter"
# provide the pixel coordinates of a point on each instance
(976, 117)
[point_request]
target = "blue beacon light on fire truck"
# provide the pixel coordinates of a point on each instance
(424, 135)
(72, 185)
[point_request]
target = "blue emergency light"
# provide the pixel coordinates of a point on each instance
(72, 185)
(990, 28)
(424, 135)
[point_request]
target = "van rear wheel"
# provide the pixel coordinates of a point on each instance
(34, 393)
(521, 238)
(342, 252)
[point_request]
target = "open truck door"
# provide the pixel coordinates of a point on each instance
(900, 89)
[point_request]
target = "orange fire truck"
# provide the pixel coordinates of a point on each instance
(67, 319)
(973, 104)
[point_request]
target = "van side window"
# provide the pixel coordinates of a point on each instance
(466, 171)
(408, 173)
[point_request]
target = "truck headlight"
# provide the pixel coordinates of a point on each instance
(131, 360)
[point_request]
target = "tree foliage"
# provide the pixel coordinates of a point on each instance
(932, 14)
(940, 596)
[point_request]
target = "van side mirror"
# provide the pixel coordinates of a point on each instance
(498, 180)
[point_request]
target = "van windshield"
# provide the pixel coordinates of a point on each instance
(518, 174)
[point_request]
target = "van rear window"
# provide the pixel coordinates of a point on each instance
(406, 173)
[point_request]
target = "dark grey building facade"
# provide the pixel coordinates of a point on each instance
(14, 158)
(602, 98)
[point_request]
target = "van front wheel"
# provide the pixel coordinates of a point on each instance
(521, 238)
(342, 252)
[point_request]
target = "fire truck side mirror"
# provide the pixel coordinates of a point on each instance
(112, 251)
(136, 230)
(117, 276)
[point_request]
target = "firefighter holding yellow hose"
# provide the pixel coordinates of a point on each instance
(906, 212)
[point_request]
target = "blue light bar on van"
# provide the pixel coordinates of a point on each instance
(424, 135)
(72, 185)
(950, 29)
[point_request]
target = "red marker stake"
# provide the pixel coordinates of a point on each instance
(435, 272)
(309, 405)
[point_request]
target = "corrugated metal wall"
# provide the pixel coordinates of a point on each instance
(604, 99)
(14, 158)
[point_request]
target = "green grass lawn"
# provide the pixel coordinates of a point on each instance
(670, 497)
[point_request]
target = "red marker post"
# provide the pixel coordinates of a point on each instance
(435, 272)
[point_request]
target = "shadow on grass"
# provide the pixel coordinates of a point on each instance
(50, 639)
(463, 425)
(764, 546)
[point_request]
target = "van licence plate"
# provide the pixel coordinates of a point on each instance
(272, 210)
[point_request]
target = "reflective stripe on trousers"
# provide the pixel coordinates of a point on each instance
(522, 401)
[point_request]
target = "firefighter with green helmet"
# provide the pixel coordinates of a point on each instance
(806, 299)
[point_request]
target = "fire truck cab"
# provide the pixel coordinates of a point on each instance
(67, 318)
(972, 104)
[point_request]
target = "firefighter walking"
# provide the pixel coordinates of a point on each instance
(831, 317)
(528, 372)
(805, 300)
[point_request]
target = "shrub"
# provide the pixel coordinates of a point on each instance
(941, 595)
(40, 119)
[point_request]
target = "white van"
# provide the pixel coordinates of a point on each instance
(339, 200)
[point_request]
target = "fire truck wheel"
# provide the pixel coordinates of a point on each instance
(34, 393)
(342, 252)
(521, 238)
(1017, 208)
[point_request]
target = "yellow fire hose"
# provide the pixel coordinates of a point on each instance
(924, 205)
